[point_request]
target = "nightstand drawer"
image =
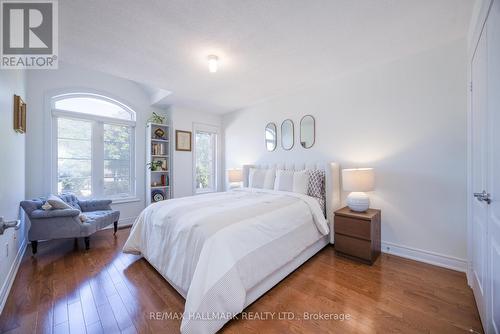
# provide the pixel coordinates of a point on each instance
(353, 246)
(353, 227)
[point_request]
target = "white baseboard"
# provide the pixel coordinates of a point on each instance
(7, 285)
(126, 221)
(123, 222)
(436, 259)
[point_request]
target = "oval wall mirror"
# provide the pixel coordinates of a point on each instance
(307, 131)
(287, 134)
(271, 137)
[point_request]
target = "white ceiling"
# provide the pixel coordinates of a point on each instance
(266, 47)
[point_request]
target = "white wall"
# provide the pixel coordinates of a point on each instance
(185, 119)
(407, 119)
(12, 185)
(42, 84)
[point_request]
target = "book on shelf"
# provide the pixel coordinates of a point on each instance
(157, 149)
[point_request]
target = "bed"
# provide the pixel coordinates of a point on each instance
(222, 251)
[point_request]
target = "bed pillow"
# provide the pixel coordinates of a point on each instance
(58, 203)
(269, 178)
(256, 178)
(300, 182)
(316, 187)
(284, 180)
(293, 181)
(261, 178)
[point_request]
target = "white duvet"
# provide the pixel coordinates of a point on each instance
(214, 248)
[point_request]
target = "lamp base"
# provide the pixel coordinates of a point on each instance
(358, 201)
(234, 185)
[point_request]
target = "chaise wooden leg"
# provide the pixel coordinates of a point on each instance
(115, 227)
(87, 243)
(34, 246)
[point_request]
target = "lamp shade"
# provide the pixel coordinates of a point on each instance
(235, 175)
(358, 179)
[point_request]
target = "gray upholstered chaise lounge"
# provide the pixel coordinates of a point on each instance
(65, 223)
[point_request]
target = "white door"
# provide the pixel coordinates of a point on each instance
(479, 174)
(493, 27)
(485, 264)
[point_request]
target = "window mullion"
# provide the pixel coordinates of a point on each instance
(98, 160)
(55, 156)
(214, 161)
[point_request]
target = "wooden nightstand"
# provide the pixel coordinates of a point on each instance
(357, 234)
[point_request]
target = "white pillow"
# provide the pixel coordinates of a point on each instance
(58, 203)
(293, 181)
(261, 178)
(256, 178)
(269, 179)
(300, 182)
(284, 180)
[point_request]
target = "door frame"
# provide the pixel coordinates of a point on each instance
(478, 22)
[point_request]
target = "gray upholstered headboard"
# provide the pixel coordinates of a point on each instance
(332, 183)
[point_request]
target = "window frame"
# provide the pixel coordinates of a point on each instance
(216, 165)
(97, 144)
(55, 189)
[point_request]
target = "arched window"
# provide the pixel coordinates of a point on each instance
(94, 139)
(93, 104)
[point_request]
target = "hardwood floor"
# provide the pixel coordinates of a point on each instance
(67, 290)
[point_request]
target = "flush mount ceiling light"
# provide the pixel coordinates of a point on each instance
(213, 63)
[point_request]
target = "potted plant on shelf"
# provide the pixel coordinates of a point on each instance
(154, 166)
(157, 119)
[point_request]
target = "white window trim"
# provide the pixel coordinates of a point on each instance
(216, 131)
(54, 114)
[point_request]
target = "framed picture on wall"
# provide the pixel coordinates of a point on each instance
(19, 115)
(182, 140)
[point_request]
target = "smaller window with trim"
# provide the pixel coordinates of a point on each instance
(205, 166)
(94, 143)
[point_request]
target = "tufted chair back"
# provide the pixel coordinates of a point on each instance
(71, 200)
(30, 206)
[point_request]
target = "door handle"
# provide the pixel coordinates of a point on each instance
(483, 197)
(16, 224)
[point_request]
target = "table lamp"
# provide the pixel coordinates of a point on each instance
(234, 176)
(358, 181)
